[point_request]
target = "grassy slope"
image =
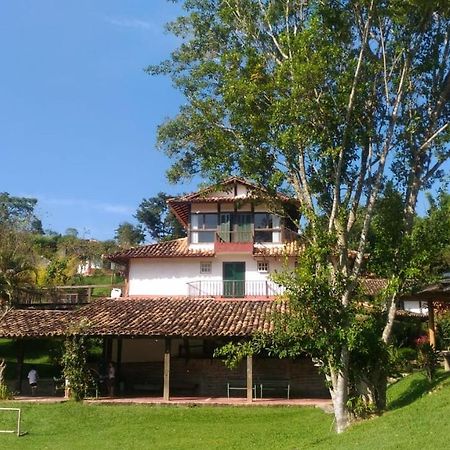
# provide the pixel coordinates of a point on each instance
(415, 421)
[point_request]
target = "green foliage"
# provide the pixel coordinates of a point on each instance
(443, 326)
(5, 394)
(57, 273)
(74, 363)
(428, 359)
(18, 212)
(129, 235)
(406, 331)
(404, 359)
(17, 264)
(160, 223)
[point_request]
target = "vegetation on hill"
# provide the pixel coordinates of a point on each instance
(31, 258)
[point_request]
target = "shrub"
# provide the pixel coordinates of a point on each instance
(427, 357)
(404, 358)
(5, 393)
(75, 369)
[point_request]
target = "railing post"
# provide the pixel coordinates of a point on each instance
(267, 288)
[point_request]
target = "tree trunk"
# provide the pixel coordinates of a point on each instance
(339, 392)
(387, 332)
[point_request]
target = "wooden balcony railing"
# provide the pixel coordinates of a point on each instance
(234, 289)
(65, 296)
(253, 235)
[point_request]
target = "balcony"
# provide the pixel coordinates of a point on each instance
(241, 241)
(233, 242)
(234, 289)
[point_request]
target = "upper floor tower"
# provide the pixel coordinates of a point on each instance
(235, 217)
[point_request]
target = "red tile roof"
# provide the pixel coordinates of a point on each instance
(183, 316)
(288, 249)
(159, 316)
(373, 286)
(180, 248)
(34, 323)
(168, 249)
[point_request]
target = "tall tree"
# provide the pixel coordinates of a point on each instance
(128, 235)
(153, 213)
(320, 97)
(19, 212)
(17, 265)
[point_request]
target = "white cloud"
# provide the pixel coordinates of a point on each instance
(125, 22)
(85, 204)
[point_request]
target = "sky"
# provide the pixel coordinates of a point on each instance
(78, 114)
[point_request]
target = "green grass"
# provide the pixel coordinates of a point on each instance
(416, 420)
(98, 278)
(42, 354)
(39, 353)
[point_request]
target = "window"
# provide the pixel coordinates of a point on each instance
(205, 267)
(267, 227)
(263, 267)
(204, 227)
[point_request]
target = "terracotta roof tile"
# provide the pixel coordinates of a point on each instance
(179, 248)
(373, 286)
(288, 249)
(159, 316)
(183, 316)
(34, 323)
(167, 249)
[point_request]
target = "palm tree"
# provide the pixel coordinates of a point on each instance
(17, 269)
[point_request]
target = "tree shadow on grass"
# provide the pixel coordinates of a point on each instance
(416, 389)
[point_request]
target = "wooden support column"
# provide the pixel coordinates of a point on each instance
(20, 348)
(119, 363)
(431, 324)
(249, 378)
(166, 390)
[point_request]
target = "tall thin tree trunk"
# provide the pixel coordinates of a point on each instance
(387, 331)
(339, 392)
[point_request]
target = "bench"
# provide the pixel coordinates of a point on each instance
(239, 386)
(275, 385)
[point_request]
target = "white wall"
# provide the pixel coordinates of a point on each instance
(169, 276)
(416, 306)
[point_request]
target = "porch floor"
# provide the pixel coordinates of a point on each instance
(199, 401)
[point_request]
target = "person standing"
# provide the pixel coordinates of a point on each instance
(33, 378)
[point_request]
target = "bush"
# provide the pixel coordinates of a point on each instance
(427, 358)
(443, 324)
(404, 358)
(75, 369)
(5, 393)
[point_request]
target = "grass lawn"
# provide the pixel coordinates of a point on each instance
(416, 420)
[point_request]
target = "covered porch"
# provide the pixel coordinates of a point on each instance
(162, 348)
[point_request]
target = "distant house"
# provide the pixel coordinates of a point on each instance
(88, 266)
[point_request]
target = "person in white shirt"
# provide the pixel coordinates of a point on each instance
(33, 378)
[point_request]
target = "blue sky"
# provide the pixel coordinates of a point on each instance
(78, 115)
